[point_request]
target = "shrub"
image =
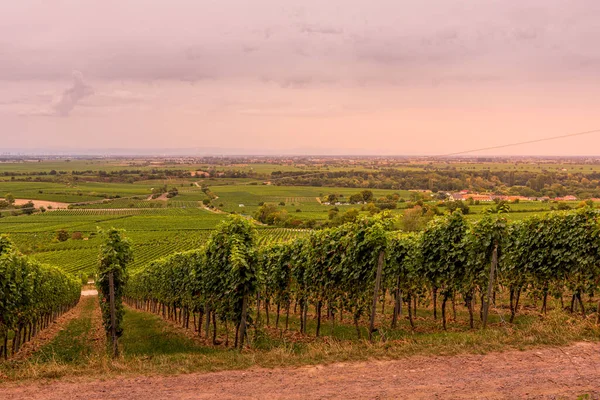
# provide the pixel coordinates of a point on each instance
(62, 235)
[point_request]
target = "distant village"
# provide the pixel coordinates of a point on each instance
(466, 195)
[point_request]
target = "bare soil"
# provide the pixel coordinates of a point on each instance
(41, 203)
(550, 373)
(162, 197)
(98, 334)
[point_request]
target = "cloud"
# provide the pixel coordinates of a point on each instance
(68, 100)
(63, 105)
(284, 39)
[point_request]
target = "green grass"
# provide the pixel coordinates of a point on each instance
(72, 345)
(146, 335)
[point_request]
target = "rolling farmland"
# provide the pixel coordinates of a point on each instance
(312, 289)
(155, 233)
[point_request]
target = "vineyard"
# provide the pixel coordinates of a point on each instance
(308, 293)
(352, 269)
(155, 233)
(32, 296)
(136, 204)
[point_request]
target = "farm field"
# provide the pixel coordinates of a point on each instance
(294, 319)
(155, 233)
(245, 199)
(297, 200)
(177, 226)
(73, 192)
(158, 227)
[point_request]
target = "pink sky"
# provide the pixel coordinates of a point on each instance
(342, 76)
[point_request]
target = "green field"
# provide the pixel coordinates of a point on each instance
(154, 233)
(245, 199)
(105, 193)
(157, 232)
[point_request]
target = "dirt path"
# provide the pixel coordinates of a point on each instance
(535, 374)
(98, 336)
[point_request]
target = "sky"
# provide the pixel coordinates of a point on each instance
(385, 77)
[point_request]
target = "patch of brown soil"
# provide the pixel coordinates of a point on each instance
(41, 203)
(98, 334)
(162, 197)
(535, 374)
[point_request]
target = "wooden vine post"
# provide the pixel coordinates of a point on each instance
(376, 294)
(397, 305)
(244, 315)
(488, 297)
(113, 317)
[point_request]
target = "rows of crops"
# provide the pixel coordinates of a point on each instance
(123, 204)
(279, 235)
(349, 268)
(102, 211)
(82, 255)
(32, 296)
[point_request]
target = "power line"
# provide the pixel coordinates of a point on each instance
(520, 143)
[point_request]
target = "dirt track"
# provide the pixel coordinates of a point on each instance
(536, 374)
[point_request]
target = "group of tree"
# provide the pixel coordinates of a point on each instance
(125, 175)
(159, 191)
(32, 296)
(388, 202)
(8, 206)
(365, 196)
(348, 269)
(218, 282)
(507, 182)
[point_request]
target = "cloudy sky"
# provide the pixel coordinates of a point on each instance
(288, 76)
